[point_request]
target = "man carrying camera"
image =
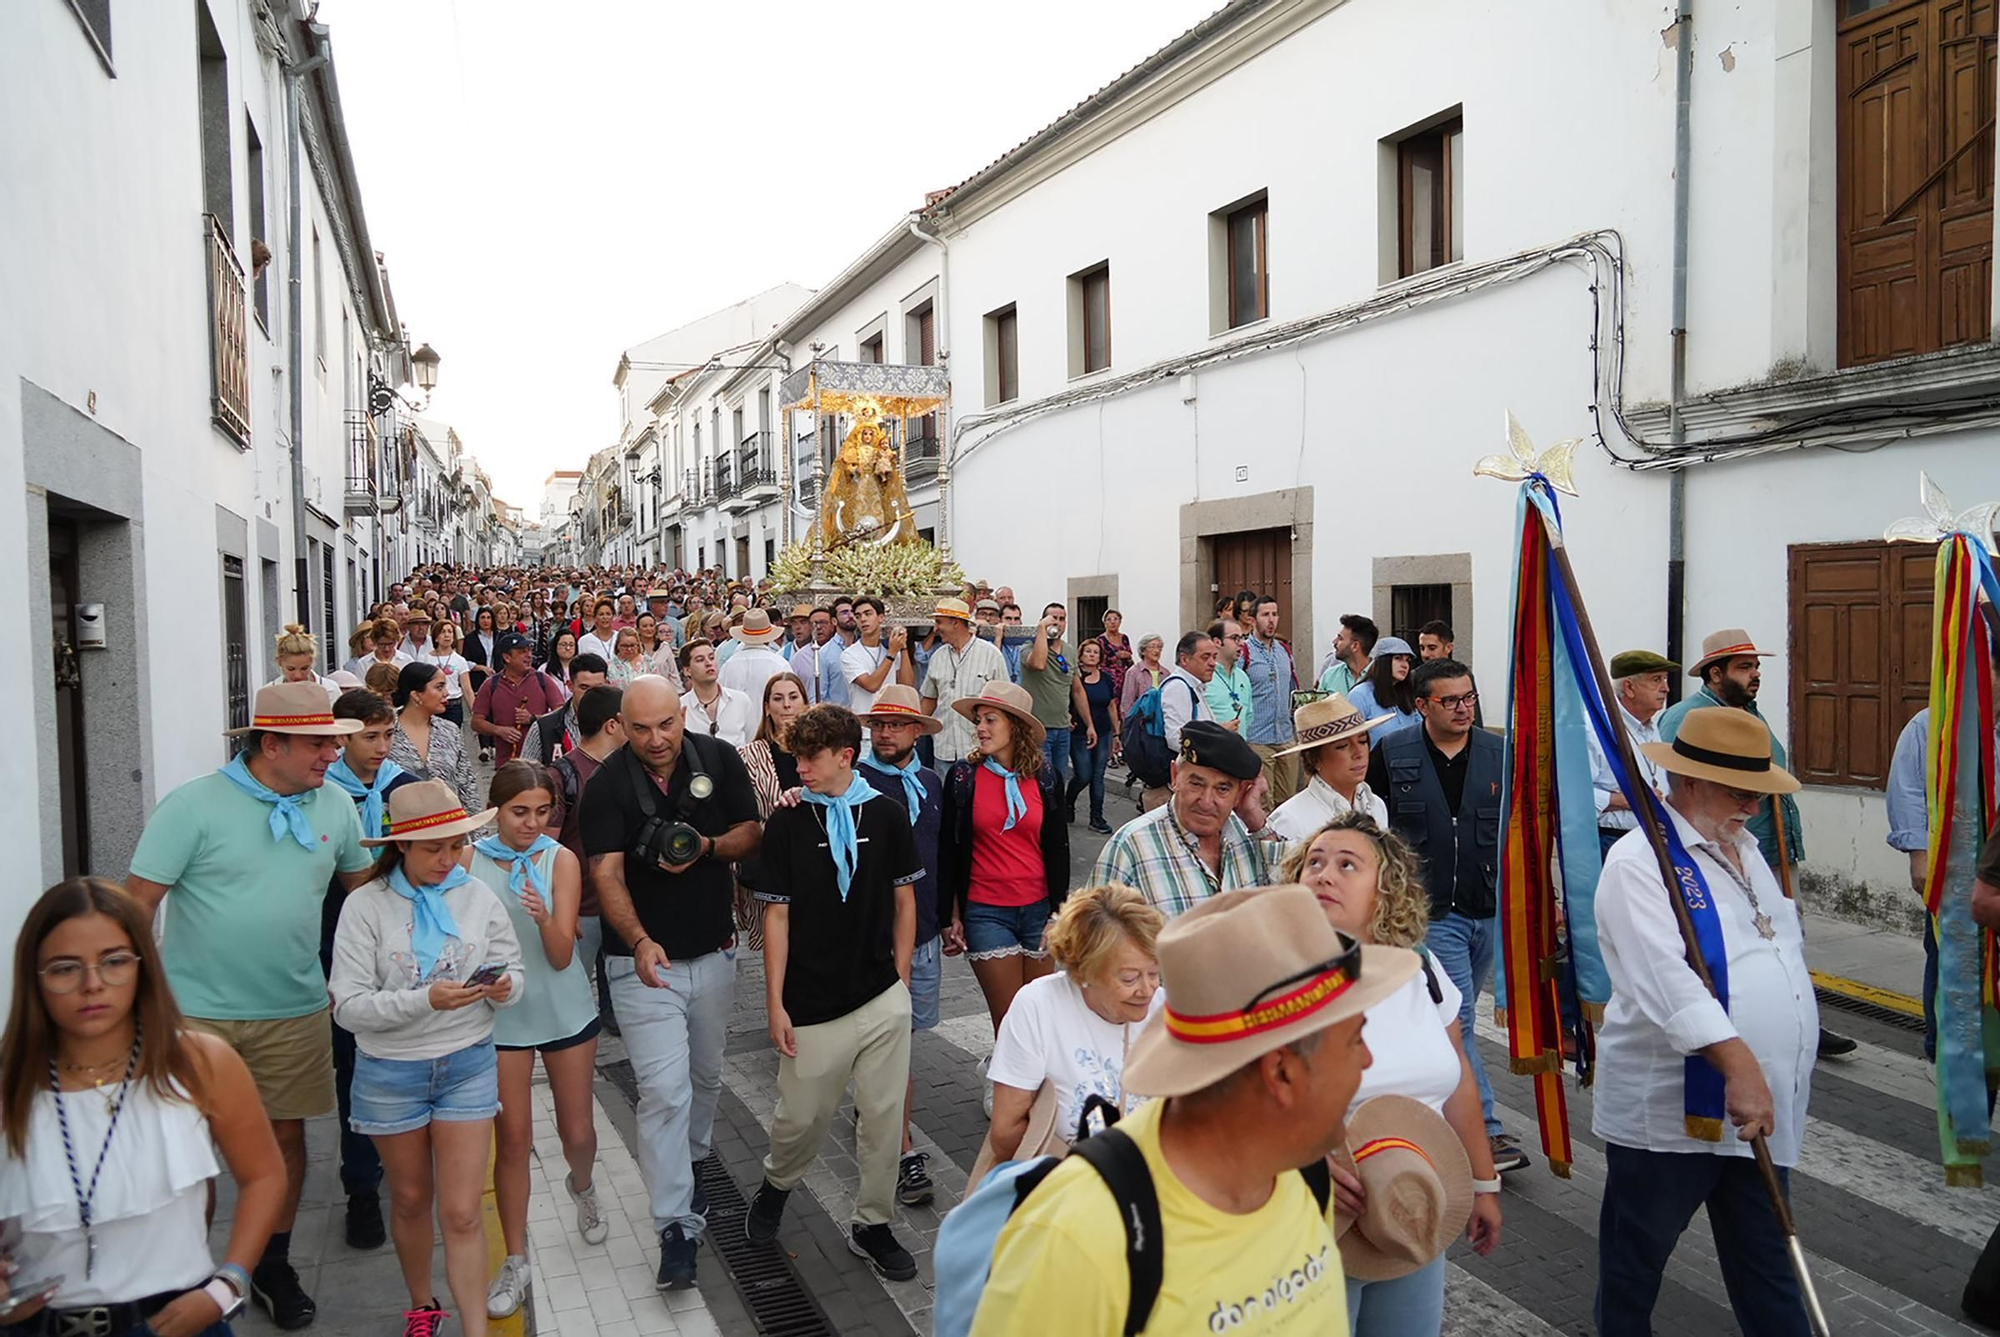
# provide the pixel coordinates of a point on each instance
(663, 820)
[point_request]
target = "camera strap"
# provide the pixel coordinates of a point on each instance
(642, 780)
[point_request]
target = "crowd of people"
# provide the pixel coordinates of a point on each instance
(1258, 1006)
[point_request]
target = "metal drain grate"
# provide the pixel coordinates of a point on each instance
(762, 1274)
(1888, 1016)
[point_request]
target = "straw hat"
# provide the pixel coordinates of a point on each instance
(953, 608)
(1726, 644)
(899, 704)
(295, 708)
(1418, 1186)
(428, 810)
(756, 628)
(801, 610)
(1729, 746)
(1008, 699)
(1330, 719)
(1247, 972)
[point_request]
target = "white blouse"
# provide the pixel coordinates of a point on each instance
(1306, 812)
(148, 1213)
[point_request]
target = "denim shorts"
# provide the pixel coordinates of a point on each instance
(397, 1095)
(926, 979)
(994, 931)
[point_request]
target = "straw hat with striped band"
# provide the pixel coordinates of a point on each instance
(1418, 1188)
(1009, 700)
(899, 704)
(1330, 719)
(295, 708)
(428, 810)
(1725, 745)
(953, 608)
(757, 628)
(1726, 644)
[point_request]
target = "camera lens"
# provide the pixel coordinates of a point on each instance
(683, 843)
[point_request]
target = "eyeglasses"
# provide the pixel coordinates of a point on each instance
(1347, 966)
(66, 976)
(1466, 702)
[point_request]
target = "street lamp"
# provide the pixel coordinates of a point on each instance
(425, 360)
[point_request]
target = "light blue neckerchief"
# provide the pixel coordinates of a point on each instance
(912, 772)
(523, 869)
(842, 836)
(288, 817)
(432, 923)
(371, 797)
(1017, 807)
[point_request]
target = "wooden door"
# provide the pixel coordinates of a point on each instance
(1258, 559)
(1916, 178)
(70, 772)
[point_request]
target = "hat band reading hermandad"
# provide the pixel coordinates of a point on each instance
(1226, 1026)
(1323, 731)
(1727, 760)
(288, 721)
(1382, 1144)
(424, 823)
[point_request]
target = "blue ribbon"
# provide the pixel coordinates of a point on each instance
(522, 867)
(288, 817)
(912, 772)
(842, 836)
(1017, 807)
(372, 798)
(432, 922)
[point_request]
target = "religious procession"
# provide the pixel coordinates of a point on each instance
(1434, 771)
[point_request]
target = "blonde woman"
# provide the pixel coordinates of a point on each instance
(627, 661)
(298, 660)
(1071, 1029)
(1368, 883)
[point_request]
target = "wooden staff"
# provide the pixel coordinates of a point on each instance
(1656, 837)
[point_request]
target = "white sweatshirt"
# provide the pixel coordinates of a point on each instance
(376, 990)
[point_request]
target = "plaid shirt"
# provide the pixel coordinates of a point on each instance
(1160, 858)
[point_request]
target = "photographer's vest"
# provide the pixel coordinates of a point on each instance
(1460, 850)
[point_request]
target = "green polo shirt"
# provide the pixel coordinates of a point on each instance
(242, 909)
(1049, 685)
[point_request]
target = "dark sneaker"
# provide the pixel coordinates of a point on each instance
(1832, 1045)
(1507, 1155)
(1100, 826)
(878, 1245)
(275, 1287)
(364, 1221)
(676, 1259)
(913, 1180)
(760, 1223)
(424, 1322)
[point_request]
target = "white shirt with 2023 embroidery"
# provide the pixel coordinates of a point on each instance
(1659, 1011)
(1050, 1034)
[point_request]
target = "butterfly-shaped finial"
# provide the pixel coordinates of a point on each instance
(1523, 462)
(1941, 522)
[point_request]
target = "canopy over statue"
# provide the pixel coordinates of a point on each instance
(865, 500)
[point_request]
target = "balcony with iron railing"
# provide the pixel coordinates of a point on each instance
(228, 336)
(363, 493)
(921, 452)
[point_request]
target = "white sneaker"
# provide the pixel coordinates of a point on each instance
(590, 1222)
(504, 1296)
(985, 1087)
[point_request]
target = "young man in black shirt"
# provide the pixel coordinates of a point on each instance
(839, 877)
(665, 928)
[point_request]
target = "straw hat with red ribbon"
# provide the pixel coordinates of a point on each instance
(899, 704)
(1417, 1188)
(429, 810)
(298, 708)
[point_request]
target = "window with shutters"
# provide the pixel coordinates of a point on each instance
(1090, 320)
(1430, 198)
(1859, 656)
(1915, 134)
(920, 347)
(1003, 356)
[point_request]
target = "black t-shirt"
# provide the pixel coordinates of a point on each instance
(843, 953)
(688, 913)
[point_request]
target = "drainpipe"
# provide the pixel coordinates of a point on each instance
(918, 231)
(1677, 385)
(294, 76)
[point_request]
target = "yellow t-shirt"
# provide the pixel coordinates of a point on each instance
(1059, 1264)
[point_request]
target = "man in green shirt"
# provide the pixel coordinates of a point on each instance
(1229, 690)
(243, 857)
(1050, 677)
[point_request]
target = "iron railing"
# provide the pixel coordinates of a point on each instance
(228, 336)
(362, 487)
(920, 456)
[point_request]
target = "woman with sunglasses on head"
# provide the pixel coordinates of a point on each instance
(1369, 884)
(424, 954)
(113, 1113)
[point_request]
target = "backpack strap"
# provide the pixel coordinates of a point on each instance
(1119, 1162)
(1430, 975)
(1319, 1178)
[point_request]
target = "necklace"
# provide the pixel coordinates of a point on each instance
(113, 1107)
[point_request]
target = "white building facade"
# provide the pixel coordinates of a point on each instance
(1248, 316)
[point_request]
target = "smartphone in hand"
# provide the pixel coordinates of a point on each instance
(487, 974)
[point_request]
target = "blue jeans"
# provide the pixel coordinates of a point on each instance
(994, 931)
(1649, 1198)
(1464, 949)
(1055, 756)
(674, 1038)
(400, 1095)
(1411, 1306)
(1089, 764)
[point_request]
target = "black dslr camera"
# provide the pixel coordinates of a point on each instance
(670, 841)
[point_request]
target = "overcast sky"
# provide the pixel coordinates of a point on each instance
(551, 191)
